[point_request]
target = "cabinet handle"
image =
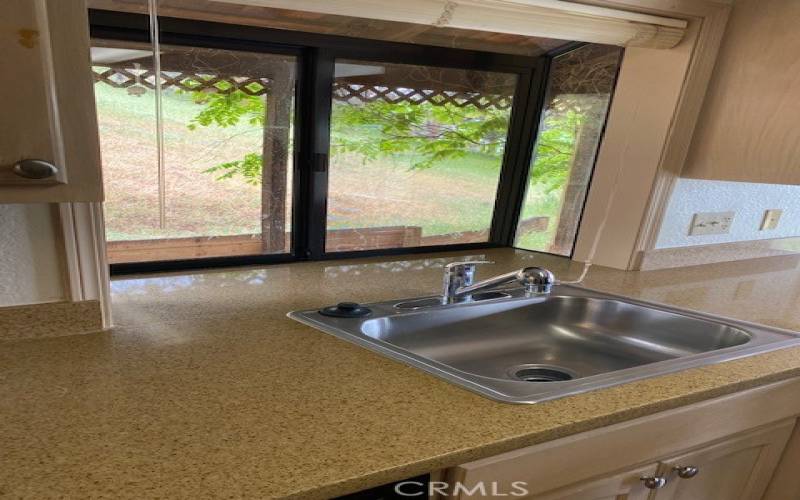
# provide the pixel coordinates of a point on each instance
(35, 169)
(686, 471)
(653, 482)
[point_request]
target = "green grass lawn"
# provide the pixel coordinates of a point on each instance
(456, 194)
(196, 203)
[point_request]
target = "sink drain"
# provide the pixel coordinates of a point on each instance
(541, 373)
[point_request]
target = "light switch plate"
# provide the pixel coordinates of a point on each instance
(771, 219)
(711, 223)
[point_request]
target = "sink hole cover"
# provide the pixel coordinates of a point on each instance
(541, 373)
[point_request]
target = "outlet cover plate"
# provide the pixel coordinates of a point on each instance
(711, 223)
(771, 219)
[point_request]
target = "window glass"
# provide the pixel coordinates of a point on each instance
(205, 170)
(579, 90)
(415, 154)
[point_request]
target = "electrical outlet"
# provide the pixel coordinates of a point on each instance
(771, 219)
(711, 223)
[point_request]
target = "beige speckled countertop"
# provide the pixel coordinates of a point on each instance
(206, 389)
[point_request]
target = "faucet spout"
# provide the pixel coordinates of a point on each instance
(459, 282)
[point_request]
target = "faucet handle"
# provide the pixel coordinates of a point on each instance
(459, 274)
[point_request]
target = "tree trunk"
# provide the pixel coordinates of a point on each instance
(579, 175)
(275, 160)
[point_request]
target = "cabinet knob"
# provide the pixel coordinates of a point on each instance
(686, 471)
(35, 169)
(653, 482)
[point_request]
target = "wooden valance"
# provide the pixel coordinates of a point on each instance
(536, 18)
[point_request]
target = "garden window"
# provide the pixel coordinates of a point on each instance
(226, 144)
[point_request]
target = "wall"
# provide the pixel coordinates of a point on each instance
(748, 200)
(30, 265)
(748, 128)
(747, 131)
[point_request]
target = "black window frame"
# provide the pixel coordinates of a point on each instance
(316, 55)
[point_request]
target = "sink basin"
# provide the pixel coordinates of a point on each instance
(524, 348)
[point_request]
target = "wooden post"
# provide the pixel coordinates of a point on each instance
(578, 182)
(275, 159)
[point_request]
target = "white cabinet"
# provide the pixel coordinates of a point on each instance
(48, 102)
(738, 467)
(626, 485)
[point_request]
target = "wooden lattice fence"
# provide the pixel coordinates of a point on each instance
(137, 80)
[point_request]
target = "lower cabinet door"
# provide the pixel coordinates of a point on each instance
(738, 468)
(627, 485)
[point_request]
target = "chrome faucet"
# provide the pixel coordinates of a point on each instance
(459, 280)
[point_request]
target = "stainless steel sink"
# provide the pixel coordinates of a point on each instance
(523, 348)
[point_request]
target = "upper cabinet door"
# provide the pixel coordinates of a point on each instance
(48, 104)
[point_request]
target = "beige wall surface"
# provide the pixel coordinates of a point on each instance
(749, 128)
(30, 265)
(745, 153)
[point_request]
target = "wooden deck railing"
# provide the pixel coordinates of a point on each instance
(337, 240)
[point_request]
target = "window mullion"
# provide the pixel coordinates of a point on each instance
(519, 148)
(314, 149)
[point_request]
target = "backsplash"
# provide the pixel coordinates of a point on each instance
(30, 267)
(748, 200)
